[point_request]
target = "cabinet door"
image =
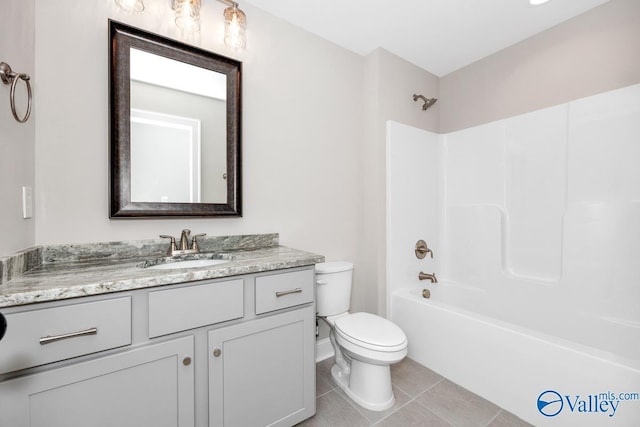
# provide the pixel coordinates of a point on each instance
(149, 386)
(264, 371)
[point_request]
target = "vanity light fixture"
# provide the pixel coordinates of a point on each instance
(187, 15)
(235, 23)
(131, 5)
(187, 18)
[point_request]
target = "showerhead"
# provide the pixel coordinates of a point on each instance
(428, 102)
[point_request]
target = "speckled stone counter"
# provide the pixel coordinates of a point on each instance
(59, 272)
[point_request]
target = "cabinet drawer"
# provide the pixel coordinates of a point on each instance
(189, 307)
(283, 290)
(43, 336)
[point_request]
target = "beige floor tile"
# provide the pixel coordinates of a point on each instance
(373, 416)
(332, 410)
(507, 419)
(413, 415)
(324, 382)
(413, 378)
(436, 402)
(457, 405)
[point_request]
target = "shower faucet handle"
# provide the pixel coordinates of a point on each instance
(422, 249)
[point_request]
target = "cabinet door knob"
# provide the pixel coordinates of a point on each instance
(186, 361)
(217, 352)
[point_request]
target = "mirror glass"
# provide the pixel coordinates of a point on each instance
(175, 123)
(178, 131)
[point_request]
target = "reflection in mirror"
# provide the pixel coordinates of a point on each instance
(165, 158)
(175, 120)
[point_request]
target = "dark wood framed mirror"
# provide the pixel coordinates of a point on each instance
(174, 128)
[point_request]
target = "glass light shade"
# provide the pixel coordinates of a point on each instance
(131, 5)
(188, 15)
(235, 22)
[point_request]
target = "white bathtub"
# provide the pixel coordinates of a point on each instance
(512, 358)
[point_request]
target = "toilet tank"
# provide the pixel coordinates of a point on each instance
(333, 287)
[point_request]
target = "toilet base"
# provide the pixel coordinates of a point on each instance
(366, 384)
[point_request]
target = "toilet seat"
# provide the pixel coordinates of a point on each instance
(370, 332)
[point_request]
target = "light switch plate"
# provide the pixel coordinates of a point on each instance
(27, 202)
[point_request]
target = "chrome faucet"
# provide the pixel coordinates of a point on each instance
(185, 247)
(426, 276)
(184, 240)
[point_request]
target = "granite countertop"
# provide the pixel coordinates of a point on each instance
(69, 271)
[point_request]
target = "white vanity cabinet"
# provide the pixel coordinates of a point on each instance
(237, 352)
(262, 372)
(151, 384)
(148, 386)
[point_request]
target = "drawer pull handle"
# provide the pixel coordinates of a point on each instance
(49, 339)
(292, 291)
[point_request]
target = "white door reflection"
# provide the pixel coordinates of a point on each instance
(165, 153)
(173, 88)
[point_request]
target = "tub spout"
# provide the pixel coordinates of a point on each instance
(426, 276)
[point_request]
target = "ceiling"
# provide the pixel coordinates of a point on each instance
(439, 36)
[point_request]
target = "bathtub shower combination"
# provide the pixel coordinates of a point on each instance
(534, 222)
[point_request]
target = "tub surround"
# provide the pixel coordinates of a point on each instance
(534, 225)
(50, 273)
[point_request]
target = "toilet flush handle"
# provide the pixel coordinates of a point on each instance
(321, 282)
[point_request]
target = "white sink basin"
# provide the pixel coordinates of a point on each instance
(192, 263)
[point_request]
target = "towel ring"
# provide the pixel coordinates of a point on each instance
(9, 77)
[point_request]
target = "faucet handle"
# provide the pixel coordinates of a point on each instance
(194, 241)
(421, 249)
(172, 243)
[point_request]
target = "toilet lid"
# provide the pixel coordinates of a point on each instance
(333, 267)
(371, 331)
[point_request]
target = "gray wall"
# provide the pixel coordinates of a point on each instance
(17, 140)
(389, 83)
(313, 131)
(301, 130)
(594, 52)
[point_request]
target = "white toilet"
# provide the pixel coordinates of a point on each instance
(365, 345)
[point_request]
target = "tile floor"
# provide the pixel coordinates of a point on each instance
(423, 398)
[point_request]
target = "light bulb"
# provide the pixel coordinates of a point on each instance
(234, 28)
(188, 15)
(131, 5)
